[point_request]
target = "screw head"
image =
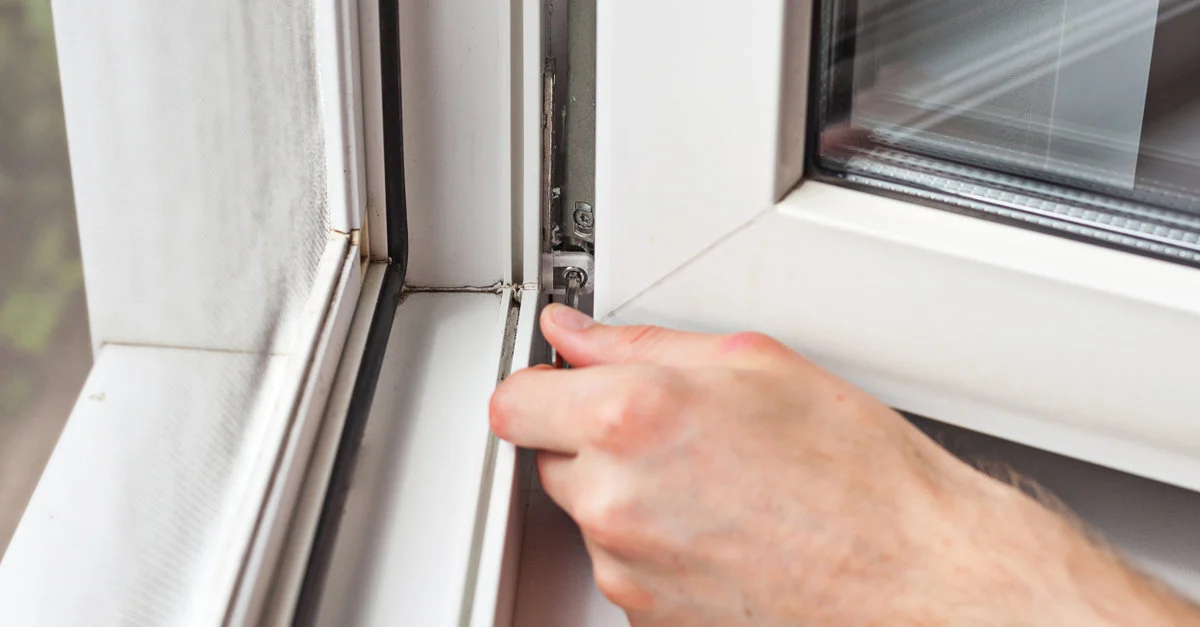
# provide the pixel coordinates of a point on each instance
(583, 218)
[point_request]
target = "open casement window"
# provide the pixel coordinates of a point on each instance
(981, 212)
(302, 300)
(1048, 338)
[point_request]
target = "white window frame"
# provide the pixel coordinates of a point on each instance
(46, 574)
(699, 226)
(450, 490)
(472, 138)
(1065, 346)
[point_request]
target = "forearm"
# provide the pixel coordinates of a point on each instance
(1032, 566)
(1105, 590)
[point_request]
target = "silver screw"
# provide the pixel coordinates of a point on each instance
(583, 215)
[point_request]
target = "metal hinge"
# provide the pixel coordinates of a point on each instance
(568, 267)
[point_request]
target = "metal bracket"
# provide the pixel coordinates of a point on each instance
(565, 266)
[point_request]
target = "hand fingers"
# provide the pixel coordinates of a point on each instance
(556, 476)
(562, 410)
(615, 576)
(618, 409)
(584, 342)
(530, 409)
(619, 581)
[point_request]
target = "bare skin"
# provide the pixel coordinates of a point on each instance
(725, 480)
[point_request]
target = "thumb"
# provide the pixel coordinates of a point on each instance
(584, 342)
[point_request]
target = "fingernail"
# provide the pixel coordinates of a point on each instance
(571, 319)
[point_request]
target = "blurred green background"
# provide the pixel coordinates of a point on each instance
(44, 347)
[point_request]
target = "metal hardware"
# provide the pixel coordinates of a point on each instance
(576, 278)
(550, 194)
(584, 221)
(567, 273)
(555, 280)
(577, 139)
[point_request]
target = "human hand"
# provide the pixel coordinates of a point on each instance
(725, 480)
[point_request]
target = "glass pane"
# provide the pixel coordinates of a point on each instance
(1076, 115)
(45, 351)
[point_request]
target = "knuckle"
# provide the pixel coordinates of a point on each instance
(621, 589)
(619, 526)
(605, 521)
(754, 343)
(617, 419)
(596, 518)
(635, 411)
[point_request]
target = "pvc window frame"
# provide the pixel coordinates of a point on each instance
(706, 220)
(41, 577)
(483, 118)
(430, 482)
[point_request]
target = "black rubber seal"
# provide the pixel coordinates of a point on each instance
(393, 132)
(363, 395)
